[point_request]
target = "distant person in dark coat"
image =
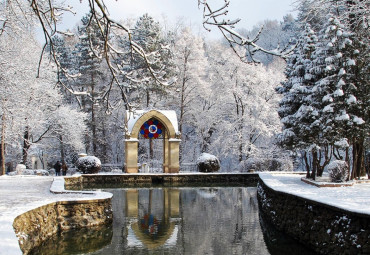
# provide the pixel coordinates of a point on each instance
(64, 168)
(57, 167)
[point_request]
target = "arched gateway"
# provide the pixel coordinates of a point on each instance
(152, 124)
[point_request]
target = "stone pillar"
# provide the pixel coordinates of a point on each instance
(131, 146)
(165, 153)
(173, 155)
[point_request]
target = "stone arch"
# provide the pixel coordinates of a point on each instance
(171, 140)
(157, 115)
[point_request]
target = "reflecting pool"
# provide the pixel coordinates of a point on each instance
(214, 220)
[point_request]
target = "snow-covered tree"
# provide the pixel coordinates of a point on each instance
(31, 104)
(239, 122)
(191, 63)
(341, 91)
(323, 109)
(296, 110)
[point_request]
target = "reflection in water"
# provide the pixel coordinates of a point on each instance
(80, 241)
(152, 215)
(222, 220)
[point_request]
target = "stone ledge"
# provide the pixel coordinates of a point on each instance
(324, 228)
(146, 178)
(37, 225)
(326, 184)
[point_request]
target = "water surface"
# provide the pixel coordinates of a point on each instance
(213, 220)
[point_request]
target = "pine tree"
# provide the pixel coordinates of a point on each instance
(296, 112)
(91, 75)
(148, 79)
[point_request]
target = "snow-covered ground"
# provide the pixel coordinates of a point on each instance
(19, 194)
(354, 198)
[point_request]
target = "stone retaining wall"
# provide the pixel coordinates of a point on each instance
(161, 179)
(323, 228)
(37, 225)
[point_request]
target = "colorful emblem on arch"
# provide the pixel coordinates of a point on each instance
(151, 129)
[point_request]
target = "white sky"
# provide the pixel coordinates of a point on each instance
(250, 11)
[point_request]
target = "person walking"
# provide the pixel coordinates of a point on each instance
(64, 169)
(57, 167)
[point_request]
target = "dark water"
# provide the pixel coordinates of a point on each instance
(217, 220)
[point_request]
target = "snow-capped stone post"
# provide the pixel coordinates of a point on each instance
(208, 163)
(152, 124)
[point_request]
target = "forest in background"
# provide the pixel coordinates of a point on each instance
(77, 100)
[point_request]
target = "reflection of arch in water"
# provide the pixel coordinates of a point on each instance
(151, 241)
(155, 227)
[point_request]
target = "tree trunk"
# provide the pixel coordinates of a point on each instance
(62, 154)
(147, 98)
(358, 168)
(314, 164)
(104, 151)
(347, 160)
(26, 145)
(327, 159)
(306, 161)
(93, 120)
(2, 147)
(151, 149)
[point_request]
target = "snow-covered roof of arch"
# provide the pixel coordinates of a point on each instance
(133, 117)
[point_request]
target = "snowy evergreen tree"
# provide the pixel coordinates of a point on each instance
(294, 107)
(148, 80)
(324, 109)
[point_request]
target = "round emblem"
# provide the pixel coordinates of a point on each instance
(151, 129)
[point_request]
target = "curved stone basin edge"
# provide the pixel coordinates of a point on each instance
(71, 210)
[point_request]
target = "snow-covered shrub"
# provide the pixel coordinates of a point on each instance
(88, 165)
(253, 164)
(278, 164)
(266, 164)
(338, 170)
(41, 172)
(116, 171)
(20, 168)
(208, 163)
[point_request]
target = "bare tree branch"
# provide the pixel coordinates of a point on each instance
(48, 13)
(235, 40)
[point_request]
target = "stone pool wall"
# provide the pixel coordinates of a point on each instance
(326, 229)
(35, 226)
(202, 178)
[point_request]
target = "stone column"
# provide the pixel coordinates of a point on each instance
(131, 146)
(173, 154)
(165, 153)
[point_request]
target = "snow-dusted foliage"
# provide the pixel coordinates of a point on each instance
(31, 105)
(208, 163)
(324, 109)
(295, 110)
(88, 165)
(266, 164)
(338, 170)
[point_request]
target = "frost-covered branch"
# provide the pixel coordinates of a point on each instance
(235, 40)
(48, 14)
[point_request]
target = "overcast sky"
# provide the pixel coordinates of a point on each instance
(250, 11)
